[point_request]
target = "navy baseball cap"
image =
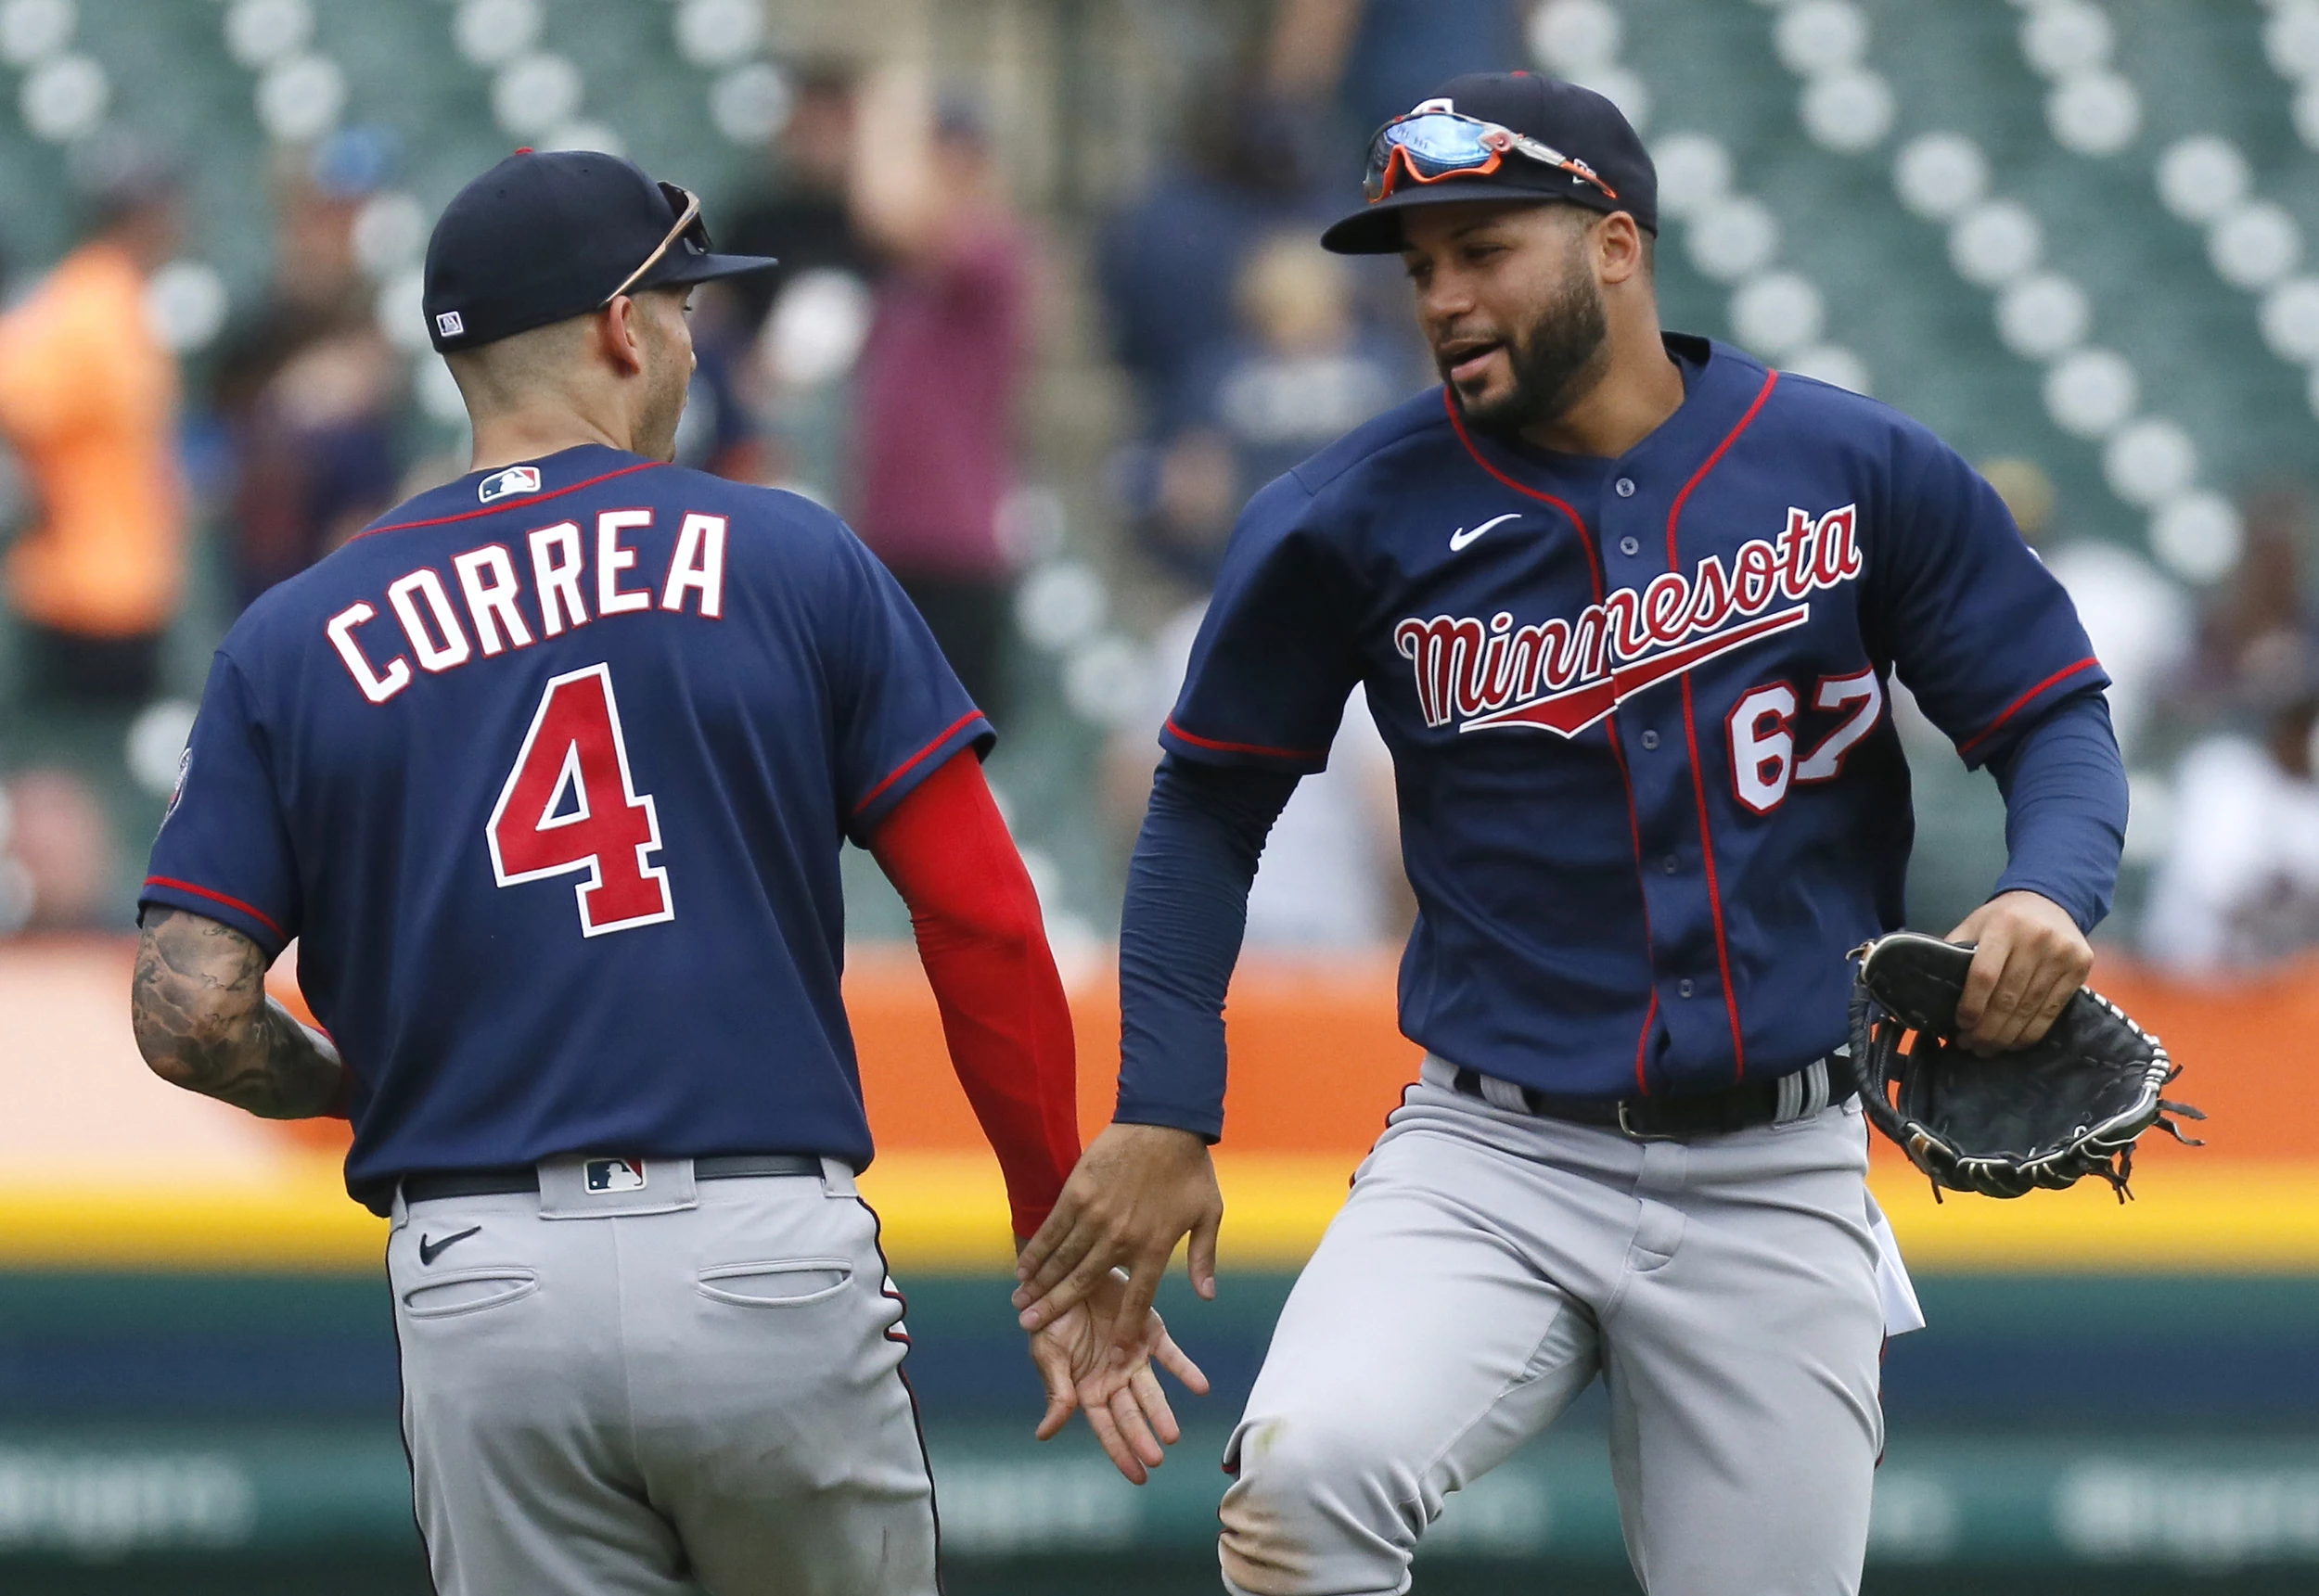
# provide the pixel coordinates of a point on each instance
(543, 237)
(1569, 144)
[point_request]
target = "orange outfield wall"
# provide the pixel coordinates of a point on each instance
(102, 1165)
(1318, 1060)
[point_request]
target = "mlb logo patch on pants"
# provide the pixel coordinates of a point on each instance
(615, 1174)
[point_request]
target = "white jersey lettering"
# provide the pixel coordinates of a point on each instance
(377, 687)
(699, 566)
(491, 604)
(1564, 676)
(614, 557)
(455, 648)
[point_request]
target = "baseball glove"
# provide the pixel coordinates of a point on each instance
(2069, 1105)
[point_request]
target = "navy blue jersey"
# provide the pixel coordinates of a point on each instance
(1650, 790)
(548, 773)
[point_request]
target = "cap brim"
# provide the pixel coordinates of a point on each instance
(675, 268)
(1376, 229)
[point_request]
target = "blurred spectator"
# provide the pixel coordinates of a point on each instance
(2257, 616)
(1167, 262)
(2239, 886)
(57, 853)
(804, 215)
(1185, 496)
(1373, 59)
(308, 389)
(797, 374)
(1331, 873)
(2139, 619)
(87, 398)
(1296, 373)
(794, 333)
(719, 432)
(938, 379)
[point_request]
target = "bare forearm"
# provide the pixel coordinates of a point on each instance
(272, 1066)
(203, 1022)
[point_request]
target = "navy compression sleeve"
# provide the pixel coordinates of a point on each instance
(1180, 933)
(2065, 808)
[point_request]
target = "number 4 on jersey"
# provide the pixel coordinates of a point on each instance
(570, 805)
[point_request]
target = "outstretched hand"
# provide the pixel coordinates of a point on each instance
(1138, 1189)
(1094, 1364)
(2028, 960)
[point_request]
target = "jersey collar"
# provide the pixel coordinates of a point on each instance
(509, 487)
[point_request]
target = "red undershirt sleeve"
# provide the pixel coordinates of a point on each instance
(983, 943)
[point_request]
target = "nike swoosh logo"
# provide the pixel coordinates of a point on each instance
(1461, 538)
(429, 1251)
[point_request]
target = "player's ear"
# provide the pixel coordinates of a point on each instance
(621, 326)
(1618, 251)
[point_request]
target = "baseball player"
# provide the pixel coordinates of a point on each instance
(1628, 609)
(547, 772)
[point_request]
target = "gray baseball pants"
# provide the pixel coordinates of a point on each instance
(648, 1392)
(1489, 1264)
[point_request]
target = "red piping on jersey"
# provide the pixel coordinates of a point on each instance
(249, 909)
(912, 763)
(2015, 707)
(1201, 742)
(1610, 721)
(1691, 736)
(1651, 1013)
(495, 509)
(1457, 425)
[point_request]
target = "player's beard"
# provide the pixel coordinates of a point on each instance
(1554, 360)
(672, 381)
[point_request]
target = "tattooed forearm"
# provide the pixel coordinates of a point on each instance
(204, 1022)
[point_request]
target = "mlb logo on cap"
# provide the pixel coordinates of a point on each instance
(615, 1174)
(450, 324)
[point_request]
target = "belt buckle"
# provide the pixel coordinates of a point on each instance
(1627, 1130)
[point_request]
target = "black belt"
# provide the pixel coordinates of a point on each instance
(1740, 1107)
(524, 1177)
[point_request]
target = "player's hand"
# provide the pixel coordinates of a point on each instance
(2028, 960)
(1095, 1365)
(1138, 1189)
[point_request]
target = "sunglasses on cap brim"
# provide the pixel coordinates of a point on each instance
(690, 227)
(1437, 145)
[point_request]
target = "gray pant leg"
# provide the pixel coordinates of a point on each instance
(1742, 1359)
(522, 1477)
(631, 1404)
(1418, 1349)
(783, 1443)
(1727, 1286)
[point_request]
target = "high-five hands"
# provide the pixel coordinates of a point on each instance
(1138, 1189)
(1094, 1364)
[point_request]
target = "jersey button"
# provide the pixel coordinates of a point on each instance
(1670, 865)
(1624, 487)
(1650, 739)
(1629, 546)
(1684, 987)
